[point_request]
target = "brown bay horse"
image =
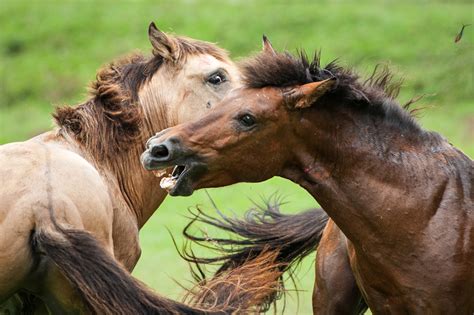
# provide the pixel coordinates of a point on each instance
(402, 196)
(73, 199)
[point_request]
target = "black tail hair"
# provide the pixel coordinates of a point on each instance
(103, 284)
(263, 230)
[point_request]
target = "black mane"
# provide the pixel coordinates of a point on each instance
(375, 95)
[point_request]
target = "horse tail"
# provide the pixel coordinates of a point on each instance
(104, 286)
(263, 234)
(245, 289)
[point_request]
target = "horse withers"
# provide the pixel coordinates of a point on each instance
(401, 195)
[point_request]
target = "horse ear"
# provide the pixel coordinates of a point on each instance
(163, 45)
(306, 95)
(267, 46)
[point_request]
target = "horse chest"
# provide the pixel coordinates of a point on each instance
(125, 239)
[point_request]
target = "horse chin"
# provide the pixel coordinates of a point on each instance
(181, 190)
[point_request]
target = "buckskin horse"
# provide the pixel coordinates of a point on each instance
(73, 199)
(402, 196)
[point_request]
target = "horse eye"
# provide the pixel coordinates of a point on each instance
(216, 78)
(247, 120)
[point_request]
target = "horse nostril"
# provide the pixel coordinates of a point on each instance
(159, 151)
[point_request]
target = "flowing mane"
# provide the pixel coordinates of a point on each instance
(375, 95)
(111, 119)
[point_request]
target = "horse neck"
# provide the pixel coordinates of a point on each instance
(367, 172)
(143, 187)
(139, 189)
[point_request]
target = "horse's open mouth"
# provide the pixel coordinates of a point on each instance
(187, 169)
(180, 181)
(168, 183)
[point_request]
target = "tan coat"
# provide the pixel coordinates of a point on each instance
(86, 174)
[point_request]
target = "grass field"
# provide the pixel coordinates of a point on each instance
(50, 50)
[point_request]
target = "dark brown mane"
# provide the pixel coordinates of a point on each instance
(376, 95)
(111, 119)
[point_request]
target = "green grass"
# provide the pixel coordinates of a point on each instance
(49, 50)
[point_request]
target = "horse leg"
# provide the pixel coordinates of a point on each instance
(18, 304)
(17, 261)
(34, 284)
(58, 294)
(335, 289)
(58, 254)
(24, 303)
(125, 239)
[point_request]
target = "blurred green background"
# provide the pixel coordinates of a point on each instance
(50, 50)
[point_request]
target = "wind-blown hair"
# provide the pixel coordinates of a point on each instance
(266, 240)
(375, 95)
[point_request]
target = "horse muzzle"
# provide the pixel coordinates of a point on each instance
(170, 152)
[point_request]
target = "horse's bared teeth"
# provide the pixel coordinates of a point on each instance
(174, 173)
(178, 170)
(168, 183)
(159, 173)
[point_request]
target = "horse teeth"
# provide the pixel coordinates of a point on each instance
(168, 183)
(159, 173)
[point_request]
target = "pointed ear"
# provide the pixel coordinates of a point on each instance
(267, 46)
(163, 45)
(305, 95)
